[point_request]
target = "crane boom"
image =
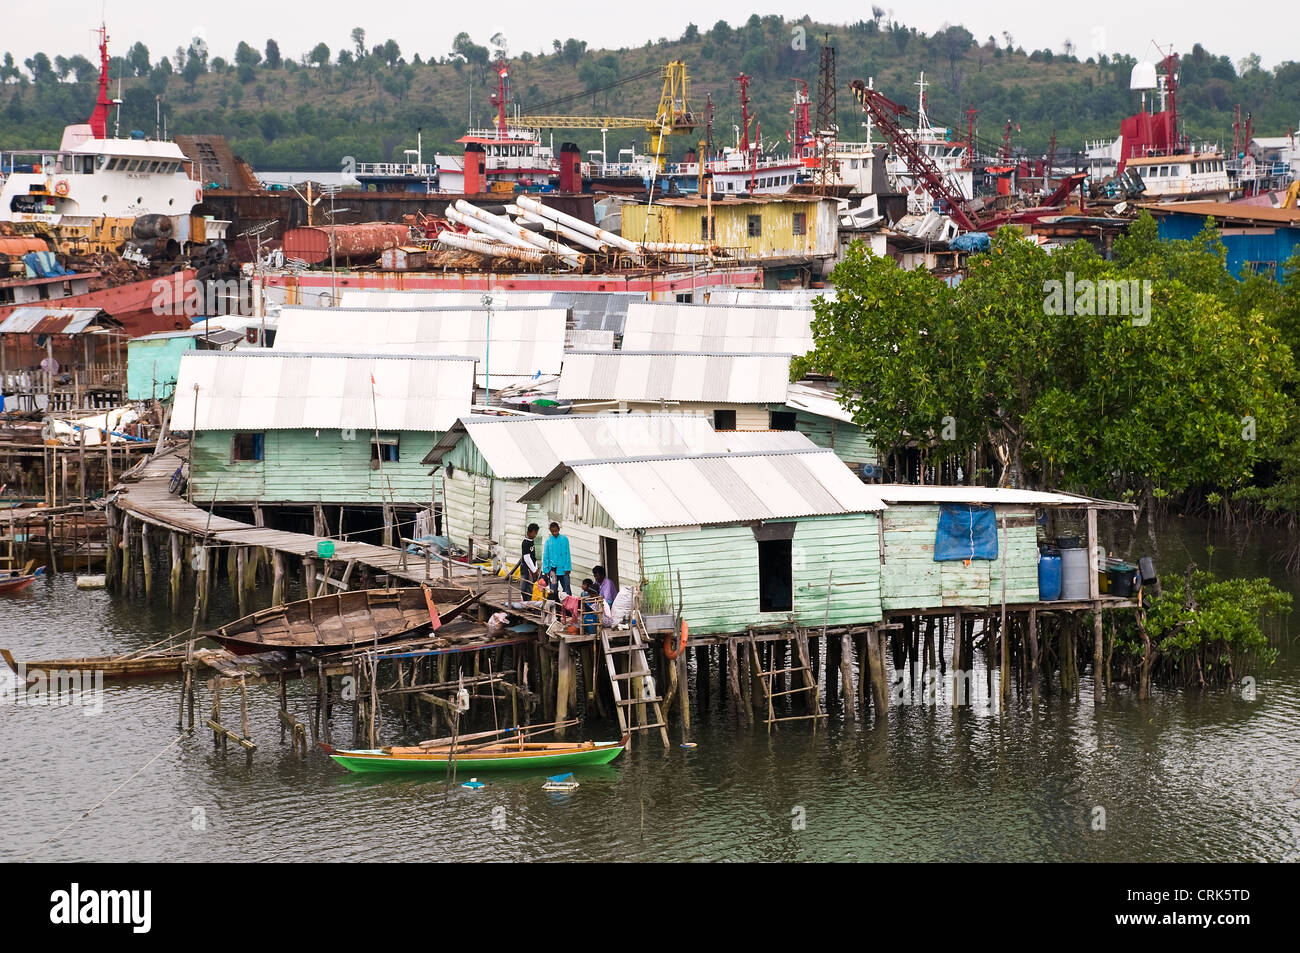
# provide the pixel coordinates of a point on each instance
(885, 114)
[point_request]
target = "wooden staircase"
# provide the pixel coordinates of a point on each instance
(629, 643)
(801, 671)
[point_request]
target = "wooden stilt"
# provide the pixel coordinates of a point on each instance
(175, 571)
(846, 674)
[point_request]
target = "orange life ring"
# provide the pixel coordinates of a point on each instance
(198, 196)
(671, 651)
(61, 187)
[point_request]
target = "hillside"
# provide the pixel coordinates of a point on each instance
(368, 104)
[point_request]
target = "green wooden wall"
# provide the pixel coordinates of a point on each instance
(300, 466)
(850, 442)
(152, 365)
(911, 579)
(719, 573)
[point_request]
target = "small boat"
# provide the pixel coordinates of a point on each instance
(14, 581)
(342, 619)
(495, 756)
(166, 663)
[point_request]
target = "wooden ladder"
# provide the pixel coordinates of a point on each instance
(802, 669)
(629, 642)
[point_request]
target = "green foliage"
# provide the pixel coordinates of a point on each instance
(1188, 389)
(1217, 629)
(656, 595)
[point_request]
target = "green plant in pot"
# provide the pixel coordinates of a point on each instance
(657, 602)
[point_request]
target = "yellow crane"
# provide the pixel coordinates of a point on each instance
(674, 116)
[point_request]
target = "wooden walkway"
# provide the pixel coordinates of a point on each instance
(144, 494)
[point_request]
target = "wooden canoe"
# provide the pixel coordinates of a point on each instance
(341, 619)
(169, 663)
(505, 756)
(16, 581)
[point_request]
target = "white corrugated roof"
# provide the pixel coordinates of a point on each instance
(791, 297)
(378, 300)
(816, 400)
(654, 326)
(675, 376)
(763, 441)
(910, 493)
(531, 447)
(647, 493)
(268, 390)
(524, 342)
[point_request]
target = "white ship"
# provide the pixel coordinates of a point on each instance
(89, 192)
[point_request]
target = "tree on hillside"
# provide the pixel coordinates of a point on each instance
(40, 68)
(137, 58)
(359, 42)
(61, 68)
(273, 58)
(159, 76)
(84, 70)
(692, 33)
(391, 52)
(320, 55)
(573, 50)
(246, 59)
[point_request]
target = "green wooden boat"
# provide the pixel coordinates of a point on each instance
(499, 756)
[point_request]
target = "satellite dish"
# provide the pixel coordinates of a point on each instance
(1143, 76)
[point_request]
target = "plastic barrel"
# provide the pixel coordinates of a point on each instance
(1121, 580)
(1049, 577)
(1074, 574)
(325, 548)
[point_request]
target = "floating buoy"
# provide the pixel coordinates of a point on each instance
(473, 784)
(560, 782)
(689, 744)
(92, 582)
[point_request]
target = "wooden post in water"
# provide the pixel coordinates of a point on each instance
(174, 574)
(146, 560)
(846, 673)
(563, 681)
(679, 664)
(1031, 637)
(958, 638)
(733, 679)
(876, 664)
(277, 582)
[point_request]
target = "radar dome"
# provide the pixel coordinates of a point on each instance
(1143, 76)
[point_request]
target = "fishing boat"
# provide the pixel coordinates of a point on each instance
(15, 581)
(494, 756)
(343, 618)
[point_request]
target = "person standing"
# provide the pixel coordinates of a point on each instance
(556, 558)
(528, 562)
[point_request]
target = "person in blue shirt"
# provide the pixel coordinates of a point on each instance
(556, 559)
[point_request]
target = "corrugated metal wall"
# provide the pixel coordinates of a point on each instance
(682, 223)
(911, 579)
(152, 366)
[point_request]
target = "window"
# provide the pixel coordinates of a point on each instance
(724, 420)
(781, 420)
(704, 228)
(801, 223)
(1266, 268)
(775, 575)
(755, 227)
(383, 451)
(246, 447)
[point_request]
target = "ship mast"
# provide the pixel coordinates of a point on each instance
(99, 118)
(743, 80)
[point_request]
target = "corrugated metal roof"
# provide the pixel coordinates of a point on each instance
(589, 310)
(648, 493)
(36, 320)
(525, 342)
(531, 447)
(788, 298)
(674, 326)
(816, 399)
(762, 441)
(910, 493)
(270, 390)
(638, 376)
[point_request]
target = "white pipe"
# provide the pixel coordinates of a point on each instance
(465, 243)
(486, 228)
(684, 248)
(564, 252)
(609, 238)
(586, 241)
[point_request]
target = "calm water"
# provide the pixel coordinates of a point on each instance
(1186, 777)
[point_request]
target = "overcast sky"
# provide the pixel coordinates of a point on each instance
(427, 28)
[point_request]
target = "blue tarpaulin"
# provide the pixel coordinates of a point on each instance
(966, 532)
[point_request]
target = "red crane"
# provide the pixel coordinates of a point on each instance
(885, 114)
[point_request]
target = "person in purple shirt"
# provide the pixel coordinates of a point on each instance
(606, 585)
